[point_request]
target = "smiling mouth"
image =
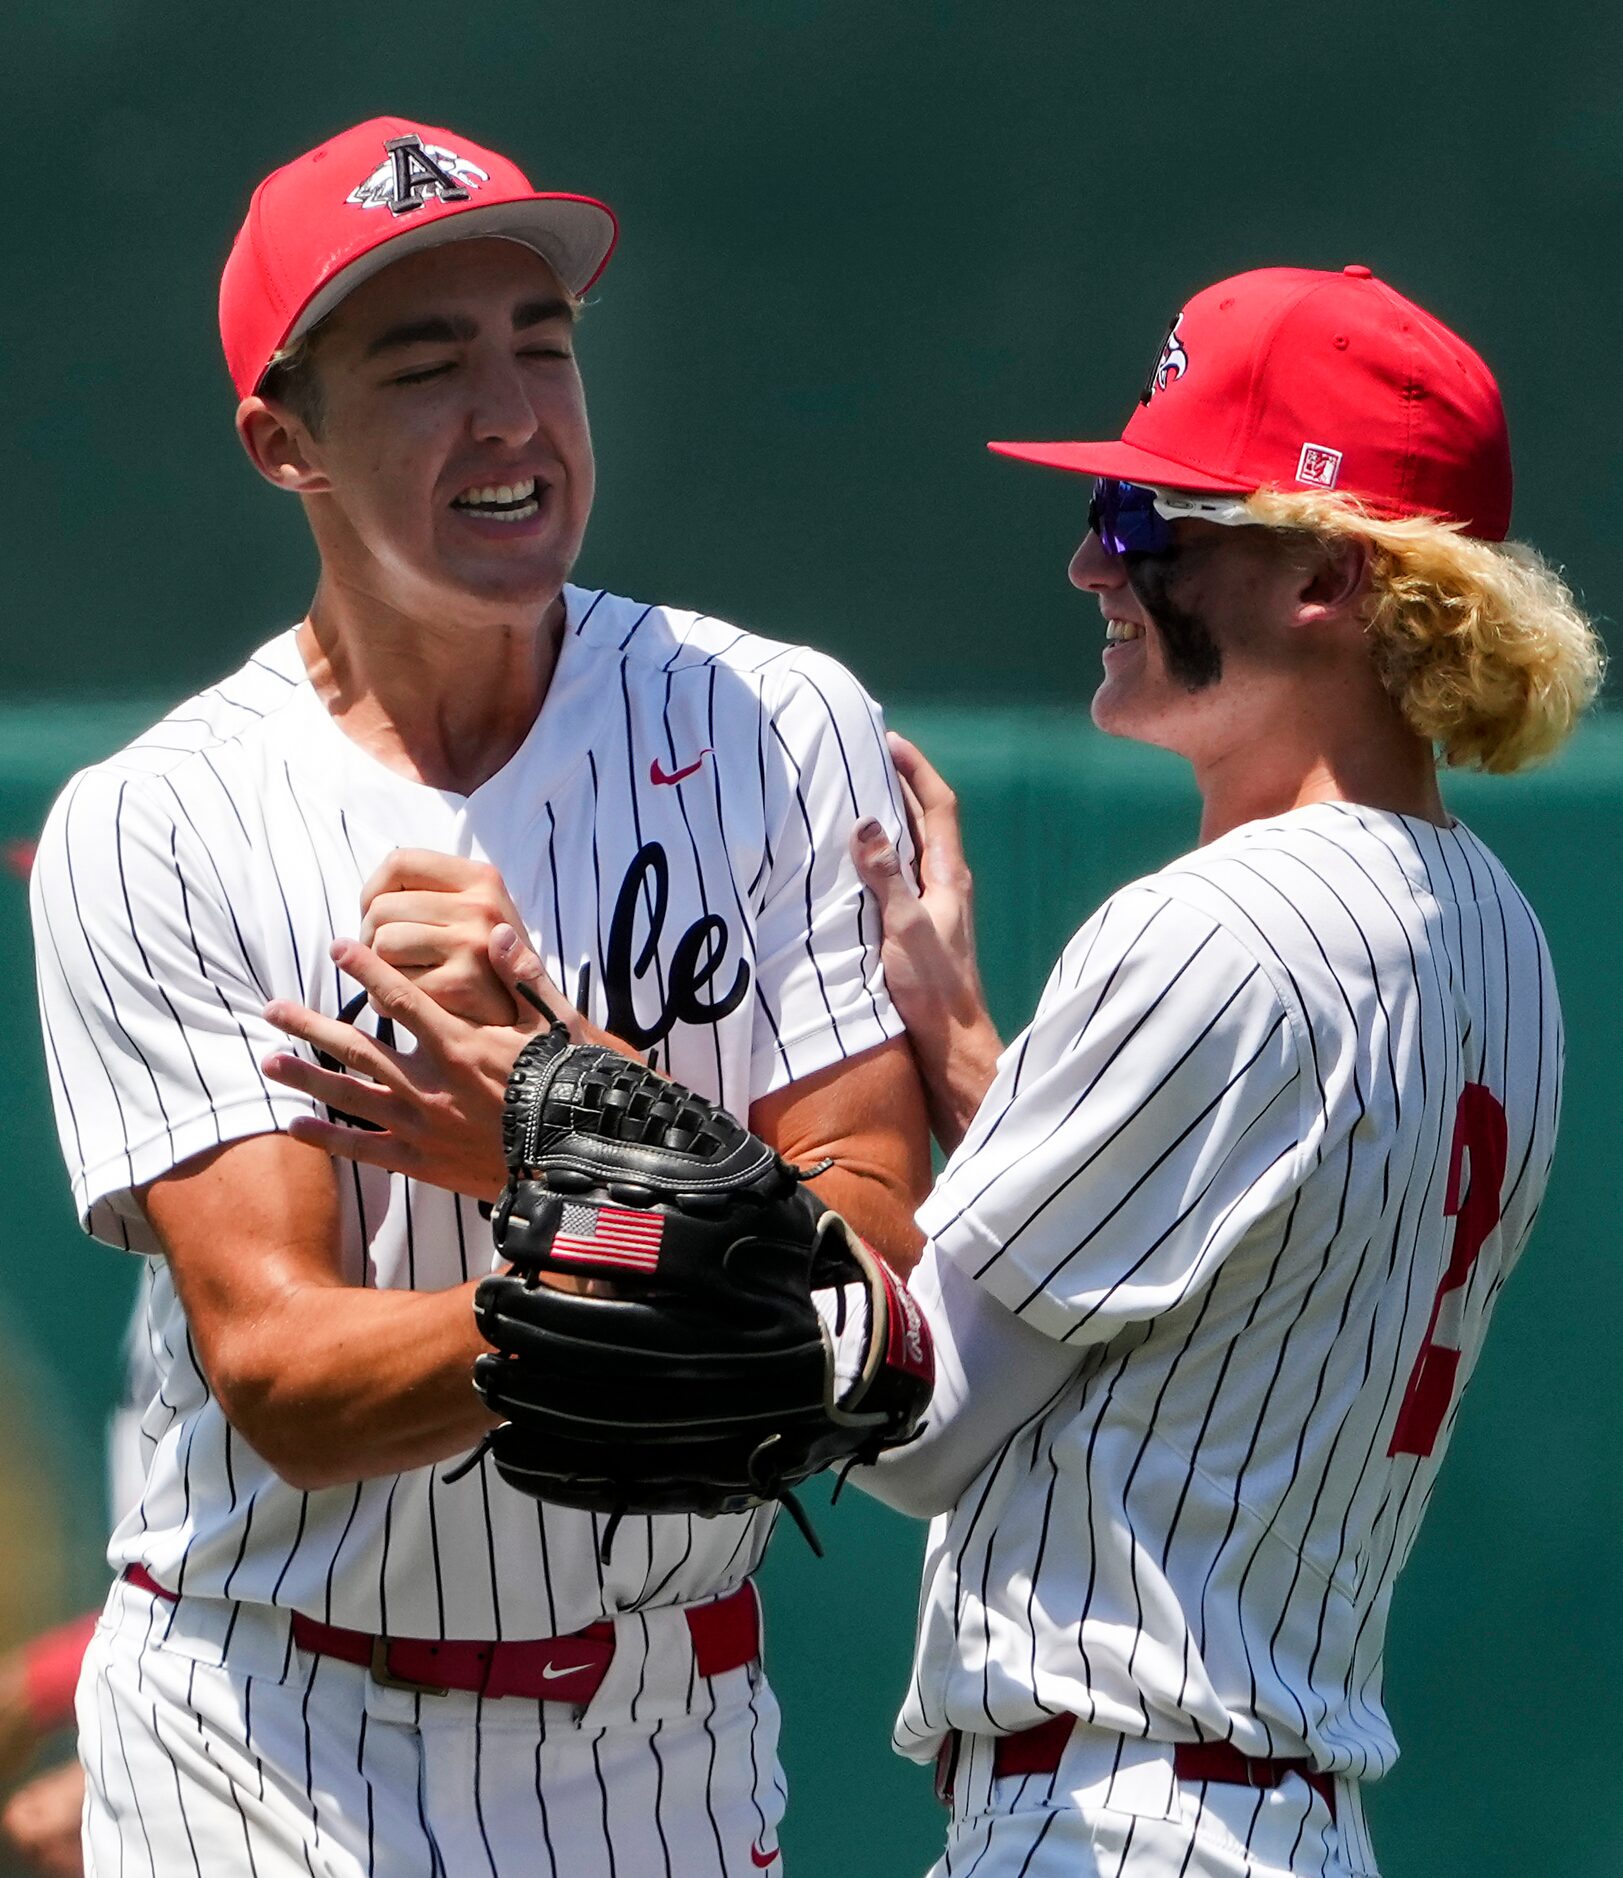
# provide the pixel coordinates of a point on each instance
(501, 502)
(1119, 631)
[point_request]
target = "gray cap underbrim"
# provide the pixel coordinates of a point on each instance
(572, 234)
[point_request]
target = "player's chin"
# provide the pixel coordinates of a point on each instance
(1117, 704)
(514, 572)
(1132, 695)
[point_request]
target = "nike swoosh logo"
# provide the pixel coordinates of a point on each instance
(550, 1672)
(761, 1859)
(658, 776)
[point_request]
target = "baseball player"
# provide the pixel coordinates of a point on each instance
(1216, 1248)
(333, 1645)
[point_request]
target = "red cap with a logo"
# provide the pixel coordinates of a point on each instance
(336, 216)
(1306, 380)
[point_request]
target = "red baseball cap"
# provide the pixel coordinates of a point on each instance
(1307, 380)
(337, 215)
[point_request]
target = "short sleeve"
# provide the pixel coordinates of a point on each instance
(1150, 1116)
(149, 1002)
(822, 993)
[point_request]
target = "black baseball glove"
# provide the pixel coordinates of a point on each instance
(658, 1347)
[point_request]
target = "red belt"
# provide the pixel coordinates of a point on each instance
(726, 1635)
(1039, 1750)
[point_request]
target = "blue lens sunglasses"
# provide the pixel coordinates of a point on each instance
(1134, 518)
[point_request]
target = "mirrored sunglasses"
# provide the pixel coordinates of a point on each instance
(1135, 518)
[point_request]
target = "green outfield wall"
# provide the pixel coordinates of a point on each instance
(1505, 1643)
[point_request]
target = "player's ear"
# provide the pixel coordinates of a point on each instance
(279, 447)
(1334, 580)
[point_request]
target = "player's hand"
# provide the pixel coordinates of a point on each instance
(431, 917)
(435, 1110)
(928, 949)
(41, 1822)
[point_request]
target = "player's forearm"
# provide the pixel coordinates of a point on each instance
(866, 1114)
(879, 1204)
(332, 1384)
(327, 1381)
(957, 1063)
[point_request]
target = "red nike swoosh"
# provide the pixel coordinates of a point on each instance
(20, 857)
(761, 1859)
(657, 775)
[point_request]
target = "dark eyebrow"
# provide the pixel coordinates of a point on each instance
(538, 312)
(443, 330)
(434, 331)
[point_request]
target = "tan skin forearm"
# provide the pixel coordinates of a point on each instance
(867, 1114)
(344, 1385)
(328, 1382)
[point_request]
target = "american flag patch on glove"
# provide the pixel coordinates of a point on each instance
(609, 1235)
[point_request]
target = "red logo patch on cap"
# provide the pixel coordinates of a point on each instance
(1319, 465)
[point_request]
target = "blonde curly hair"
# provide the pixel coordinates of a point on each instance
(1482, 644)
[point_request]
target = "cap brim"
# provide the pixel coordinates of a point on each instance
(1125, 460)
(574, 235)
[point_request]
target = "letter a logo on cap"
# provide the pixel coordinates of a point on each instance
(412, 172)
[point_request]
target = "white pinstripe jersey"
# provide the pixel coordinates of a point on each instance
(1274, 1139)
(677, 819)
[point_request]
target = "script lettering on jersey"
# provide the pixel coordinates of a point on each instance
(695, 959)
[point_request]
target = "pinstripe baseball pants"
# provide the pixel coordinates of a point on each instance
(213, 1747)
(1114, 1810)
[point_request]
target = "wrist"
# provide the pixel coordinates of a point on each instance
(588, 1032)
(957, 1063)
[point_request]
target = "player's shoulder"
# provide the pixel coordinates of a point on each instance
(1232, 911)
(662, 642)
(1348, 855)
(236, 707)
(146, 780)
(1338, 900)
(1156, 928)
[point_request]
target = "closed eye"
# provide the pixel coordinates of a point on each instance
(422, 374)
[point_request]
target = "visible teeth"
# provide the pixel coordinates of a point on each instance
(492, 495)
(1117, 630)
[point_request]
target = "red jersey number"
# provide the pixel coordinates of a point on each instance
(1479, 1151)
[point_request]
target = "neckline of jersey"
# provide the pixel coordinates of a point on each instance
(1406, 849)
(544, 761)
